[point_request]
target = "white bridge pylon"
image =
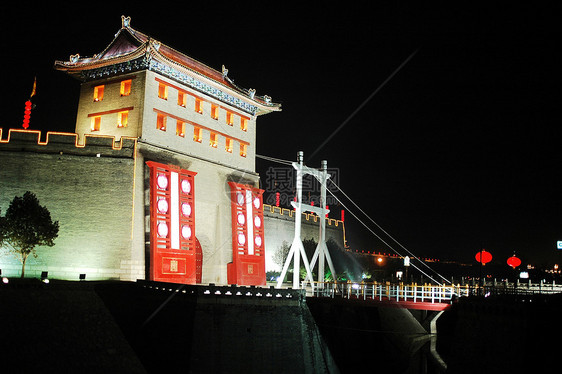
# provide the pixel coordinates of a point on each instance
(297, 249)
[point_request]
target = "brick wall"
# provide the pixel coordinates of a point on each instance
(280, 227)
(112, 102)
(88, 190)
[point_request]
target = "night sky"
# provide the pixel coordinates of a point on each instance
(459, 149)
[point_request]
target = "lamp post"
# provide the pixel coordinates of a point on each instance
(406, 267)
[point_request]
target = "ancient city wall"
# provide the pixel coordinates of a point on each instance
(280, 227)
(87, 188)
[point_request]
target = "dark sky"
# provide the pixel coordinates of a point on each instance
(460, 149)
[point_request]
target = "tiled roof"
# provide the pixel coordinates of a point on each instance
(130, 44)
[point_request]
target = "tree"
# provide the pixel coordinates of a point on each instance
(27, 225)
(280, 254)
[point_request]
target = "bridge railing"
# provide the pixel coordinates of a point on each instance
(516, 288)
(427, 292)
(388, 291)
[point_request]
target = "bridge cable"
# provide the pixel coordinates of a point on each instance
(287, 162)
(381, 239)
(273, 159)
(390, 236)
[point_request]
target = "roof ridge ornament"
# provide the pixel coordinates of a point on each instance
(125, 22)
(74, 58)
(224, 71)
(251, 93)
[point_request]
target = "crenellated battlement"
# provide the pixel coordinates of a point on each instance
(275, 211)
(63, 142)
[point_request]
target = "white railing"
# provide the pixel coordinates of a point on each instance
(517, 288)
(387, 291)
(426, 292)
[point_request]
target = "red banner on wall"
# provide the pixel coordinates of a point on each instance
(248, 246)
(175, 253)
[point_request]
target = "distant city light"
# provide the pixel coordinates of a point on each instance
(524, 275)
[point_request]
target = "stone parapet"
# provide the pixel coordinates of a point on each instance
(62, 142)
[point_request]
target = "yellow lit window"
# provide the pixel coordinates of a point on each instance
(244, 124)
(162, 91)
(214, 140)
(161, 122)
(126, 88)
(182, 99)
(98, 93)
(198, 105)
(214, 111)
(229, 118)
(197, 134)
(122, 119)
(180, 128)
(243, 149)
(95, 123)
(228, 145)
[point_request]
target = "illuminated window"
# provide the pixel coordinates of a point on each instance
(126, 88)
(244, 124)
(228, 145)
(197, 134)
(198, 105)
(182, 99)
(161, 122)
(229, 118)
(180, 128)
(122, 119)
(214, 140)
(162, 91)
(95, 123)
(214, 111)
(243, 149)
(98, 93)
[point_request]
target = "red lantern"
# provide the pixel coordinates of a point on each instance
(483, 257)
(513, 261)
(26, 114)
